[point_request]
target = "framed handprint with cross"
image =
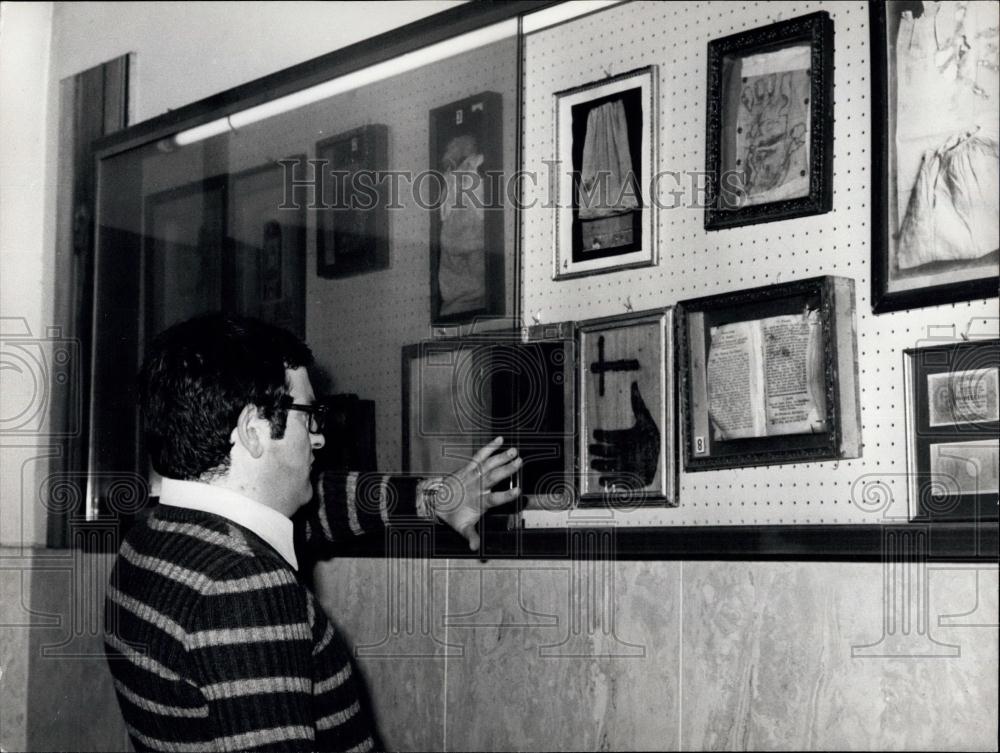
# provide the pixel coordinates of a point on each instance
(769, 142)
(625, 388)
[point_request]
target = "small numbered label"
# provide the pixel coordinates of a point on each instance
(699, 445)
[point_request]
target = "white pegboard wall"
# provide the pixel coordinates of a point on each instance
(693, 262)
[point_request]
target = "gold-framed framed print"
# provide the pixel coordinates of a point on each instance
(935, 153)
(625, 411)
(952, 396)
(605, 135)
(769, 124)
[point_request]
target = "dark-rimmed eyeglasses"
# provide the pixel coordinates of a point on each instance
(317, 416)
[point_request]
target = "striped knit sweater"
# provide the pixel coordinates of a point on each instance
(213, 642)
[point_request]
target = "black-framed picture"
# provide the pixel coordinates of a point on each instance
(459, 393)
(467, 210)
(770, 375)
(935, 153)
(953, 430)
(625, 410)
(606, 145)
(266, 258)
(769, 142)
(352, 236)
(184, 237)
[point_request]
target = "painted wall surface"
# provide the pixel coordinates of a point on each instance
(552, 655)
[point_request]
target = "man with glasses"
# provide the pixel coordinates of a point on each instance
(213, 642)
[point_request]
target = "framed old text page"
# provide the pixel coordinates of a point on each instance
(953, 430)
(770, 375)
(769, 143)
(606, 142)
(935, 152)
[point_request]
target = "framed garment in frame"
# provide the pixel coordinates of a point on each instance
(267, 252)
(770, 375)
(352, 236)
(625, 411)
(467, 211)
(606, 157)
(953, 430)
(769, 142)
(935, 153)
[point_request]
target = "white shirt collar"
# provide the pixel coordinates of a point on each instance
(264, 521)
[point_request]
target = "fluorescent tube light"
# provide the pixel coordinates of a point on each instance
(373, 73)
(558, 14)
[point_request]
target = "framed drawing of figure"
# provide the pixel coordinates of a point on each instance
(467, 247)
(935, 153)
(769, 144)
(606, 142)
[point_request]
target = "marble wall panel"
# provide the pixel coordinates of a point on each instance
(850, 656)
(70, 696)
(563, 655)
(14, 635)
(391, 617)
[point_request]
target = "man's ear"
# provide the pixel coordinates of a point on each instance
(251, 431)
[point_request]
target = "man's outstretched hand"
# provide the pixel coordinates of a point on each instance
(628, 457)
(462, 498)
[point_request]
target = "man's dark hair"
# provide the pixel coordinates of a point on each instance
(198, 377)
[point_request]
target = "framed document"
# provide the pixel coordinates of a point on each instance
(769, 150)
(626, 448)
(935, 160)
(353, 227)
(770, 375)
(458, 394)
(953, 430)
(467, 215)
(606, 141)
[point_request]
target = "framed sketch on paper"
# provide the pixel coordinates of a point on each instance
(467, 215)
(935, 153)
(626, 446)
(769, 144)
(953, 427)
(266, 257)
(606, 147)
(353, 232)
(770, 375)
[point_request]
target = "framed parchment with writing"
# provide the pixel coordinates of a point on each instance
(769, 142)
(770, 375)
(953, 430)
(935, 152)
